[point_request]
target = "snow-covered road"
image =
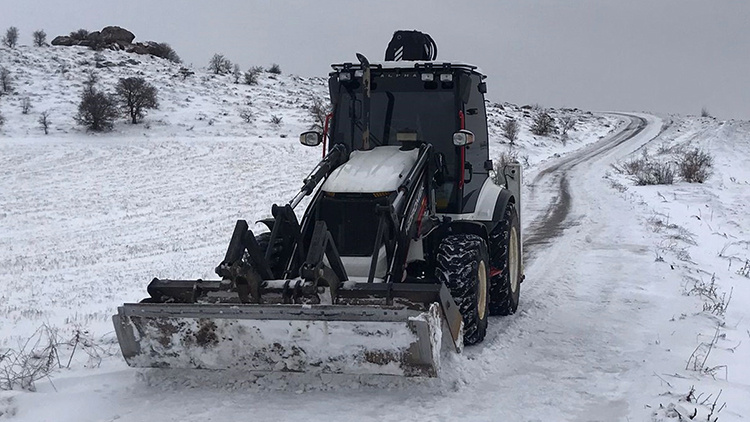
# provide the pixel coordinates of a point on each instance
(575, 351)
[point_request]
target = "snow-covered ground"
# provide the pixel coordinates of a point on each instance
(605, 331)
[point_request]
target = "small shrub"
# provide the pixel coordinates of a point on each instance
(275, 69)
(498, 175)
(91, 79)
(251, 76)
(220, 65)
(695, 166)
(97, 110)
(6, 85)
(184, 73)
(25, 105)
(44, 121)
(543, 124)
(276, 120)
(511, 129)
(567, 122)
(40, 38)
(79, 35)
(705, 113)
(2, 120)
(136, 96)
(647, 171)
(236, 73)
(318, 111)
(247, 115)
(165, 51)
(11, 37)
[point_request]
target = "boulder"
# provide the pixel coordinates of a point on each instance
(94, 36)
(113, 34)
(64, 40)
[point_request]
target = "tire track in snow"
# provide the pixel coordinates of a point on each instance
(555, 178)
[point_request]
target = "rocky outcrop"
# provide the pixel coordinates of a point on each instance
(115, 38)
(115, 34)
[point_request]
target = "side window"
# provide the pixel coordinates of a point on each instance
(476, 121)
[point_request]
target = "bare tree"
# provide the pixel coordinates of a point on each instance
(44, 121)
(96, 110)
(40, 38)
(11, 37)
(6, 85)
(136, 96)
(510, 130)
(220, 65)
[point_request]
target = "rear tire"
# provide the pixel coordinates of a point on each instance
(505, 285)
(462, 265)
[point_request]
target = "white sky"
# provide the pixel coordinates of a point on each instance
(654, 55)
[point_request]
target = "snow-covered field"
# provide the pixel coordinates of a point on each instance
(611, 325)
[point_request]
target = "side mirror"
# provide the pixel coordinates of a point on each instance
(311, 138)
(463, 138)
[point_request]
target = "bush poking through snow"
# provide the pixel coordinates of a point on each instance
(2, 120)
(136, 96)
(6, 85)
(44, 121)
(251, 76)
(318, 111)
(497, 174)
(220, 65)
(275, 69)
(705, 113)
(236, 73)
(25, 105)
(34, 360)
(11, 37)
(543, 124)
(40, 38)
(647, 171)
(510, 130)
(246, 115)
(97, 110)
(276, 120)
(695, 166)
(80, 35)
(567, 122)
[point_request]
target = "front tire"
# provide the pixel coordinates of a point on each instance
(463, 266)
(505, 285)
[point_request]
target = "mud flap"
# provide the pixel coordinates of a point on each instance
(287, 338)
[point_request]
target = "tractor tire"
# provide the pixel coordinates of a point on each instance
(462, 265)
(505, 245)
(263, 240)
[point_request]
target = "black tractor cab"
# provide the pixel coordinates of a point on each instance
(409, 103)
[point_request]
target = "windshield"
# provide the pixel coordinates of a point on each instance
(397, 104)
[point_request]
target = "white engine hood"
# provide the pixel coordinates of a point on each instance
(381, 169)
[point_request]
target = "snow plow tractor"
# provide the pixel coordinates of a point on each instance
(406, 248)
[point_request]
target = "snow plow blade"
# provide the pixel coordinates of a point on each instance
(348, 339)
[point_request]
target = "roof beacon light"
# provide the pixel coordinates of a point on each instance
(345, 76)
(428, 77)
(446, 77)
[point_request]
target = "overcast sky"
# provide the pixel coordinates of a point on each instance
(654, 55)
